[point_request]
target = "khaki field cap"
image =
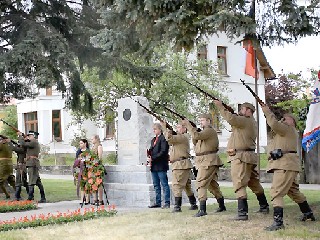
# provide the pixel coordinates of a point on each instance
(205, 115)
(291, 116)
(248, 105)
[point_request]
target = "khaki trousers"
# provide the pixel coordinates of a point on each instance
(181, 181)
(245, 175)
(207, 180)
(285, 182)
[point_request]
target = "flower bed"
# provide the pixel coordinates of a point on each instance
(14, 206)
(58, 218)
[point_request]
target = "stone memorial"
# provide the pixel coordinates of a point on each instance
(129, 183)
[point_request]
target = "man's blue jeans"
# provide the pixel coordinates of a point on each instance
(157, 178)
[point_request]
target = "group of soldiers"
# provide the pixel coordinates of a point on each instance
(283, 163)
(27, 168)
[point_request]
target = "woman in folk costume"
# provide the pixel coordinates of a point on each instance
(78, 168)
(98, 170)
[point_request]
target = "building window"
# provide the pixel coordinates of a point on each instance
(56, 125)
(222, 59)
(202, 53)
(31, 121)
(49, 91)
(110, 129)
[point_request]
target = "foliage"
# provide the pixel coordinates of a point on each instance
(14, 206)
(186, 22)
(11, 118)
(168, 90)
(58, 218)
(44, 44)
(81, 134)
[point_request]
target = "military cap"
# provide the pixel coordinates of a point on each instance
(291, 116)
(248, 105)
(33, 133)
(205, 115)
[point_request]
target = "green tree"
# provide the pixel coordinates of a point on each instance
(186, 22)
(168, 90)
(12, 119)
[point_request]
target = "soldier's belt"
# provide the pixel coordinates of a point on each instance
(245, 150)
(179, 159)
(31, 157)
(284, 152)
(206, 153)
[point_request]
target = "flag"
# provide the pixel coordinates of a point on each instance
(250, 59)
(311, 135)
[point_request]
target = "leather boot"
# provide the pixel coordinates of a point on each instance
(18, 193)
(31, 193)
(277, 220)
(264, 206)
(307, 212)
(193, 203)
(242, 210)
(222, 207)
(42, 194)
(177, 204)
(203, 209)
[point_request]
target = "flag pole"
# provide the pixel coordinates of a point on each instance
(255, 46)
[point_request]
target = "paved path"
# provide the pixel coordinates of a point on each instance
(64, 206)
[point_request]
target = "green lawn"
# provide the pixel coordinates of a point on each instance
(55, 190)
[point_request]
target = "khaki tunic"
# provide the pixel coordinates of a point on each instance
(32, 163)
(244, 163)
(180, 148)
(207, 165)
(285, 169)
(244, 134)
(21, 170)
(6, 166)
(285, 138)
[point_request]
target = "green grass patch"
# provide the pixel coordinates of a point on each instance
(55, 190)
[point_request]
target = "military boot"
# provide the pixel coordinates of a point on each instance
(264, 206)
(242, 210)
(42, 194)
(31, 193)
(277, 220)
(193, 203)
(177, 204)
(18, 193)
(307, 212)
(203, 209)
(222, 207)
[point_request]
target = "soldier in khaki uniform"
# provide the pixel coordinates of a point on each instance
(207, 162)
(241, 150)
(181, 165)
(284, 164)
(6, 166)
(33, 164)
(21, 170)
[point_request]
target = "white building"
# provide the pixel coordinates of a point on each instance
(231, 60)
(47, 114)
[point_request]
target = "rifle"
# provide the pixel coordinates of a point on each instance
(13, 127)
(168, 126)
(181, 116)
(230, 109)
(262, 104)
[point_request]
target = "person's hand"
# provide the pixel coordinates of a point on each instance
(185, 121)
(19, 133)
(265, 108)
(163, 124)
(217, 103)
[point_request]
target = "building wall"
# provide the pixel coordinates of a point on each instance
(236, 91)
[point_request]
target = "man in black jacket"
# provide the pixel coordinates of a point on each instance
(159, 166)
